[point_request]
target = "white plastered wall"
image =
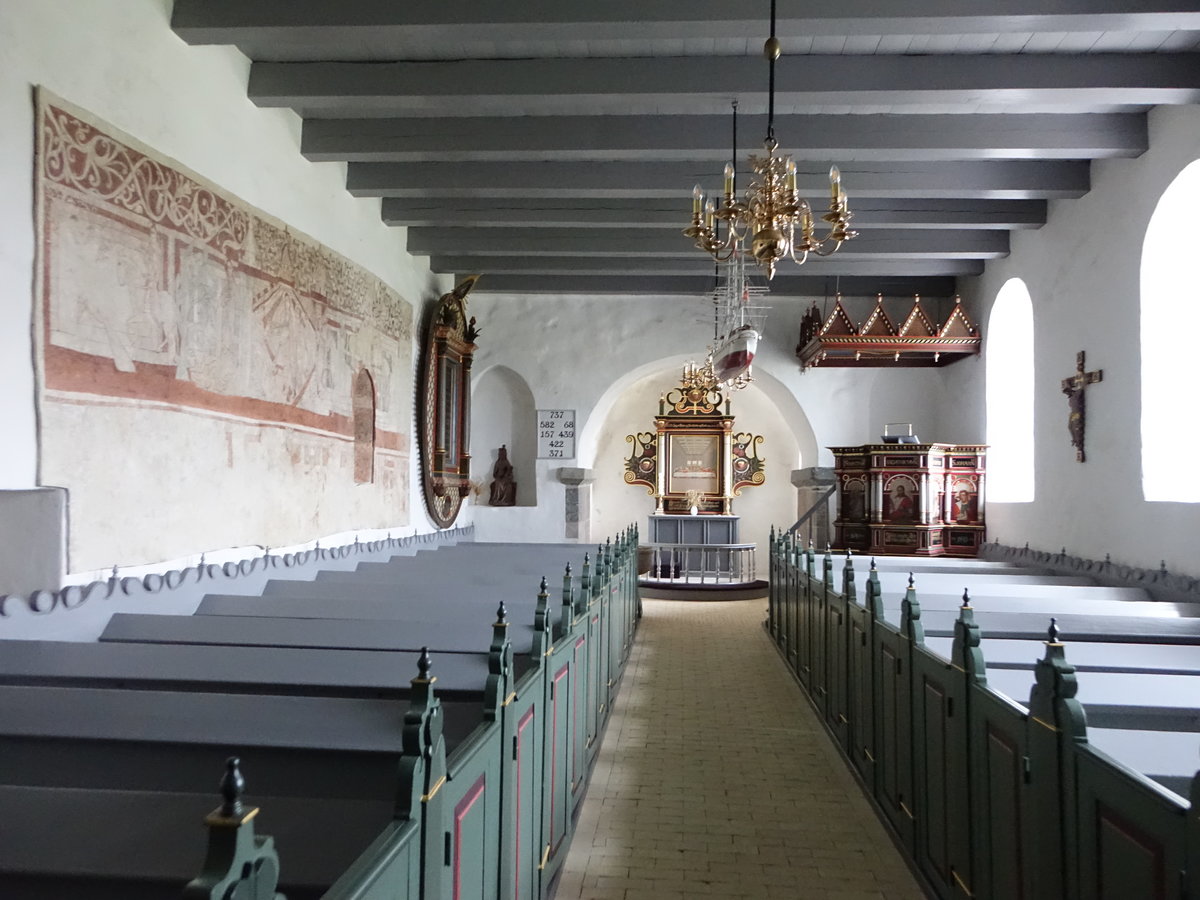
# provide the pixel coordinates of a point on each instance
(609, 358)
(1083, 273)
(120, 60)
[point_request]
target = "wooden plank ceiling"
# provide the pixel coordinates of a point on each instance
(552, 145)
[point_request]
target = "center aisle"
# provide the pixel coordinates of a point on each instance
(716, 779)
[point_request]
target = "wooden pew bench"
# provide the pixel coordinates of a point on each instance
(322, 601)
(1076, 626)
(1051, 605)
(944, 566)
(330, 634)
(195, 667)
(1167, 757)
(68, 752)
(145, 845)
(1099, 656)
(346, 748)
(1139, 701)
(895, 583)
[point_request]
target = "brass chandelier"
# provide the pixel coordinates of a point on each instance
(772, 217)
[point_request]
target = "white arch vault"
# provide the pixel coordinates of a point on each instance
(629, 405)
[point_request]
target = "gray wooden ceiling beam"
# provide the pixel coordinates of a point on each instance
(654, 242)
(997, 180)
(469, 260)
(573, 212)
(260, 22)
(825, 137)
(696, 286)
(691, 85)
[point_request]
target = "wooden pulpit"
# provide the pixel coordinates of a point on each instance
(911, 499)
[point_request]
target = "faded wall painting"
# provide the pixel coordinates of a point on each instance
(198, 359)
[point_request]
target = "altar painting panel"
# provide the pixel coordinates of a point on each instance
(694, 464)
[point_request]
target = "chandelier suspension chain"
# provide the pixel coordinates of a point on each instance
(771, 48)
(771, 221)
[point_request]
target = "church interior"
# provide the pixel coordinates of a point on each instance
(304, 301)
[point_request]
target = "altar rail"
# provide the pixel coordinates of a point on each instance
(702, 563)
(989, 799)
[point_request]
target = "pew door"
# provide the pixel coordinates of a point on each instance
(1131, 832)
(940, 751)
(999, 814)
(893, 729)
(860, 692)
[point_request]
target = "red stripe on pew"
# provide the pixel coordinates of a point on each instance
(460, 813)
(525, 720)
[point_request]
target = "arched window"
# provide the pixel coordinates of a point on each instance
(364, 427)
(1170, 298)
(1008, 369)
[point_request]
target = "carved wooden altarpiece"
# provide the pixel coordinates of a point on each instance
(445, 404)
(694, 457)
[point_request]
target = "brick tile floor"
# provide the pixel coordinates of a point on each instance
(716, 779)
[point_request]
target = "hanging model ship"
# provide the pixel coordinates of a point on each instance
(738, 321)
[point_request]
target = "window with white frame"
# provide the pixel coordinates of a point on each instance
(1170, 301)
(1008, 370)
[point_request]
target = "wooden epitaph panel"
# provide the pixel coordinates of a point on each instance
(918, 499)
(446, 405)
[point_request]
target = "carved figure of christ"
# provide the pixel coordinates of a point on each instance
(1074, 388)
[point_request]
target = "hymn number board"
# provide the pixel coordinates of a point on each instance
(556, 434)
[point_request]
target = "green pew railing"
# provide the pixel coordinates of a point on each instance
(990, 799)
(494, 820)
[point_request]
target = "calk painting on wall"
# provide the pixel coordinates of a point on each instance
(201, 366)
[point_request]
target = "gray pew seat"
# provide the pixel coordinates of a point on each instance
(1168, 757)
(134, 844)
(1002, 586)
(344, 602)
(1074, 627)
(346, 748)
(1050, 605)
(333, 634)
(1167, 659)
(195, 667)
(1142, 701)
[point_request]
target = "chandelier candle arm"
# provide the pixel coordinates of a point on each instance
(771, 210)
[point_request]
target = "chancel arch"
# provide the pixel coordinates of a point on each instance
(1170, 304)
(504, 414)
(1008, 373)
(632, 408)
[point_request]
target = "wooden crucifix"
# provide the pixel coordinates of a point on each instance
(1074, 388)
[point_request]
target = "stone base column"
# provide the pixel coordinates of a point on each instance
(578, 518)
(33, 540)
(811, 484)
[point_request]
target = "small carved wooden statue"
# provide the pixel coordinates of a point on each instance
(504, 489)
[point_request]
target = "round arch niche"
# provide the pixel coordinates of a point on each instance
(503, 414)
(631, 407)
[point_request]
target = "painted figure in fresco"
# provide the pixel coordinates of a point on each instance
(902, 504)
(504, 489)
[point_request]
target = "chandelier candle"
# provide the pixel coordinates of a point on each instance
(771, 217)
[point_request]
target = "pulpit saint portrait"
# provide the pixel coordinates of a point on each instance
(900, 500)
